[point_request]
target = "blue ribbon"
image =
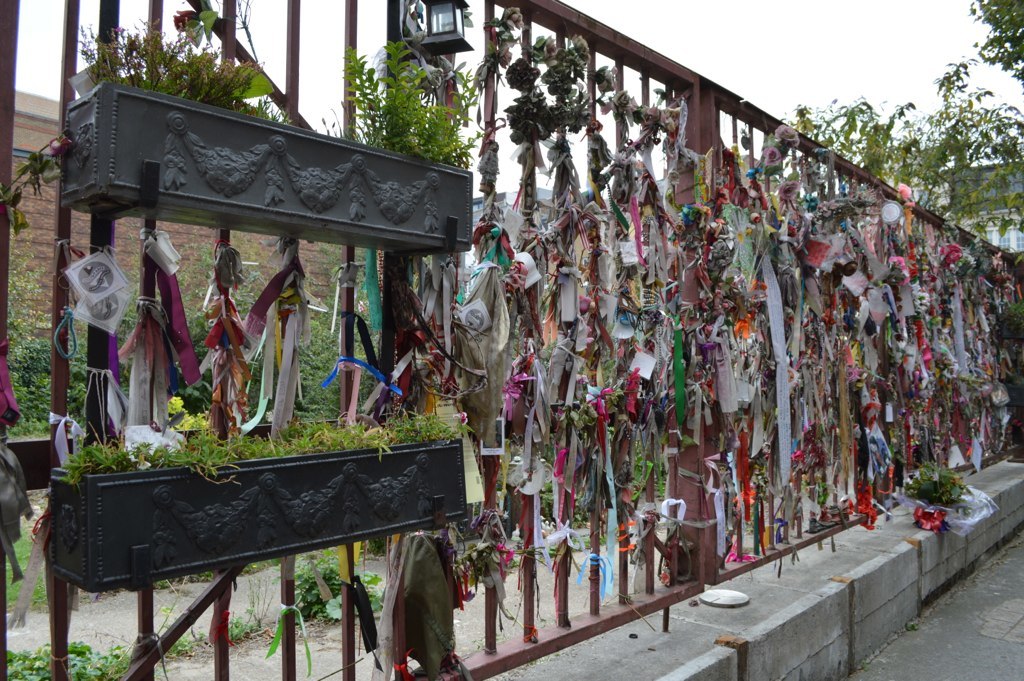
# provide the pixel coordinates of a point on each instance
(780, 523)
(358, 362)
(605, 566)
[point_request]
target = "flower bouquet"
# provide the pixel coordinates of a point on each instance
(942, 501)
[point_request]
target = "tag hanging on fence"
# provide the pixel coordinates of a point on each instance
(95, 277)
(105, 313)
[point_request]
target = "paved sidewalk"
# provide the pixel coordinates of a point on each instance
(974, 632)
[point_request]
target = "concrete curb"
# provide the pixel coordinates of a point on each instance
(827, 633)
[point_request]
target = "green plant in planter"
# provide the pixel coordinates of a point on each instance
(176, 67)
(205, 453)
(393, 111)
(936, 485)
(1013, 317)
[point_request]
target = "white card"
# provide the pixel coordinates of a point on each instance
(645, 363)
(888, 412)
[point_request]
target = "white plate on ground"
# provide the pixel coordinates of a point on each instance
(724, 598)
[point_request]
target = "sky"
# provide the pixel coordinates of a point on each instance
(777, 55)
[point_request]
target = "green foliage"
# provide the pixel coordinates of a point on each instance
(965, 161)
(205, 453)
(1013, 317)
(174, 67)
(1004, 46)
(39, 168)
(394, 111)
(936, 485)
(310, 601)
(84, 663)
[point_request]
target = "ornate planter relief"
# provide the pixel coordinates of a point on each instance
(260, 176)
(131, 529)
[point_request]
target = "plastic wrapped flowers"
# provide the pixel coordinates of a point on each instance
(942, 501)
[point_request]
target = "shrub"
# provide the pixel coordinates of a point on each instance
(391, 111)
(175, 67)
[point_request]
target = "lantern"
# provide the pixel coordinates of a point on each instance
(445, 30)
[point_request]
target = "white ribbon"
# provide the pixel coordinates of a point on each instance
(958, 331)
(60, 438)
(669, 504)
(566, 534)
(777, 322)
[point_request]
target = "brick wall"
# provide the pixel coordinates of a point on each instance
(32, 257)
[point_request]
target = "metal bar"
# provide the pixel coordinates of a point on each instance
(490, 84)
(348, 255)
(595, 549)
(591, 82)
(151, 658)
(8, 57)
(351, 42)
(57, 589)
(288, 657)
(557, 15)
(772, 555)
(144, 610)
(621, 129)
(516, 653)
(220, 637)
(229, 38)
(100, 236)
(291, 80)
(529, 572)
(490, 473)
(398, 614)
(147, 283)
(348, 622)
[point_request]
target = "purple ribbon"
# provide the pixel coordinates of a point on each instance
(177, 325)
(256, 320)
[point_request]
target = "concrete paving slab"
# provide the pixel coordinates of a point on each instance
(973, 632)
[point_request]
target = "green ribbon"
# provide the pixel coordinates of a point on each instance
(619, 216)
(279, 634)
(261, 409)
(679, 372)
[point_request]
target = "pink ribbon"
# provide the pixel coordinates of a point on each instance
(634, 212)
(513, 390)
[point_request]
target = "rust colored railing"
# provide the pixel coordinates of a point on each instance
(708, 103)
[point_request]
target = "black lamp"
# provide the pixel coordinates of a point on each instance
(445, 30)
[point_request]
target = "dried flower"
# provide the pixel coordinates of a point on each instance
(513, 18)
(789, 192)
(787, 135)
(182, 19)
(951, 254)
(771, 156)
(58, 146)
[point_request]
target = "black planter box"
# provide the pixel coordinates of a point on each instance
(128, 530)
(139, 153)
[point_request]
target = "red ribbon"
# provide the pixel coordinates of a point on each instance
(402, 668)
(866, 505)
(930, 520)
(222, 630)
